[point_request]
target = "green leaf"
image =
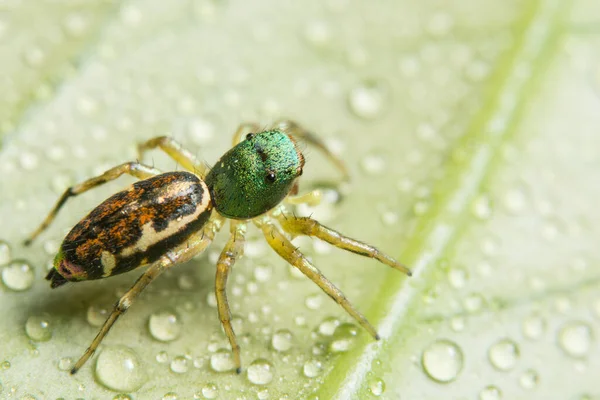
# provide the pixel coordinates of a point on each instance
(470, 130)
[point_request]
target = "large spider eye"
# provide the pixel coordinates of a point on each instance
(270, 177)
(250, 136)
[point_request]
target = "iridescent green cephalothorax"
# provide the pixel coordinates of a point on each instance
(255, 175)
(165, 219)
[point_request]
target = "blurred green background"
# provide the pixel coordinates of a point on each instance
(471, 130)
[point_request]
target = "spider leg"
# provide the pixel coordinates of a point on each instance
(300, 132)
(310, 227)
(312, 198)
(193, 246)
(134, 169)
(176, 151)
(243, 129)
(286, 250)
(232, 251)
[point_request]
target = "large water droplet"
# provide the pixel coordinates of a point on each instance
(377, 386)
(209, 391)
(260, 372)
(164, 326)
(442, 361)
(328, 326)
(282, 340)
(38, 328)
(343, 338)
(504, 354)
(222, 361)
(369, 100)
(18, 275)
(180, 364)
(575, 338)
(97, 314)
(312, 368)
(118, 368)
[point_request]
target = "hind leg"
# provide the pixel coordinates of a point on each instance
(134, 169)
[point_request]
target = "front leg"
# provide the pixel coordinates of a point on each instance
(233, 250)
(310, 227)
(176, 151)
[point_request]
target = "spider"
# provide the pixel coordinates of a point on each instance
(165, 219)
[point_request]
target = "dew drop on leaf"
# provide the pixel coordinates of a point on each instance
(575, 338)
(442, 361)
(164, 326)
(260, 372)
(282, 340)
(503, 355)
(18, 275)
(38, 328)
(118, 368)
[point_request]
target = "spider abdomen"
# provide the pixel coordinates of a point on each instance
(133, 228)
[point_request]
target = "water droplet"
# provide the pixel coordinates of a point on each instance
(38, 328)
(343, 338)
(164, 326)
(170, 396)
(457, 323)
(328, 326)
(440, 24)
(457, 277)
(34, 56)
(504, 354)
(369, 100)
(313, 302)
(75, 24)
(209, 391)
(515, 200)
(262, 273)
(312, 368)
(529, 379)
(162, 357)
(575, 338)
(97, 314)
(222, 361)
(65, 363)
(482, 207)
(200, 131)
(179, 365)
(534, 327)
(122, 397)
(473, 302)
(260, 372)
(442, 361)
(4, 253)
(118, 368)
(317, 33)
(377, 386)
(282, 340)
(490, 393)
(18, 275)
(373, 164)
(131, 15)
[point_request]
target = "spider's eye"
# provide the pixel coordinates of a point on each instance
(250, 136)
(270, 177)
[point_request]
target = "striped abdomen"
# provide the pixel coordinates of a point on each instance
(134, 227)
